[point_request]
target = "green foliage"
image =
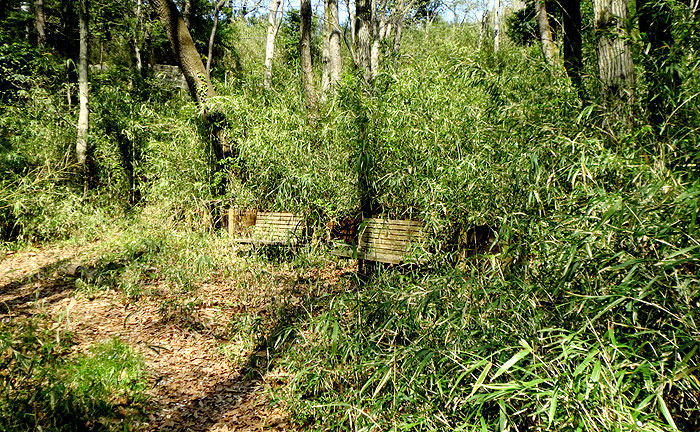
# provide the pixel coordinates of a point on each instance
(583, 313)
(581, 316)
(43, 388)
(21, 65)
(521, 26)
(289, 34)
(594, 329)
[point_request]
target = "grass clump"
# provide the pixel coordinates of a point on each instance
(43, 387)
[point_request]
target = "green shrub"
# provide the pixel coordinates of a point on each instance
(44, 388)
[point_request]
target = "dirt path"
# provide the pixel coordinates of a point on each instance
(194, 387)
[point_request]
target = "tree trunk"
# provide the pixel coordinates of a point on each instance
(325, 62)
(378, 28)
(194, 71)
(551, 53)
(307, 73)
(353, 22)
(39, 22)
(381, 30)
(497, 26)
(212, 36)
(363, 37)
(573, 59)
(399, 29)
(81, 144)
(186, 11)
(185, 51)
(334, 53)
(615, 65)
(273, 26)
(483, 29)
(655, 22)
(135, 38)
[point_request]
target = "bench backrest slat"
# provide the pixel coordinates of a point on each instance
(251, 226)
(388, 241)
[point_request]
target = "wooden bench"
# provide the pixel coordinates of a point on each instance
(265, 228)
(386, 241)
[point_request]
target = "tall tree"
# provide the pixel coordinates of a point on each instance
(551, 53)
(497, 26)
(483, 28)
(615, 67)
(363, 37)
(274, 21)
(193, 69)
(81, 145)
(136, 36)
(573, 59)
(185, 51)
(400, 16)
(307, 73)
(380, 25)
(212, 36)
(333, 63)
(39, 22)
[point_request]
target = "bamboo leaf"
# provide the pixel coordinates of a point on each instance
(513, 360)
(664, 410)
(481, 379)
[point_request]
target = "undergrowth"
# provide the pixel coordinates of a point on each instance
(43, 387)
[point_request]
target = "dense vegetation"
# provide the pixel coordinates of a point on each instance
(581, 315)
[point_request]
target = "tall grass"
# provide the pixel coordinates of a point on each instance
(42, 388)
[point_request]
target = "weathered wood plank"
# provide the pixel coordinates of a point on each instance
(267, 228)
(395, 222)
(388, 241)
(369, 237)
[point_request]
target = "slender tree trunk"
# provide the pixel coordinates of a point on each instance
(497, 26)
(483, 29)
(186, 11)
(147, 45)
(399, 29)
(363, 37)
(307, 73)
(573, 59)
(273, 26)
(212, 36)
(615, 65)
(334, 53)
(551, 53)
(325, 63)
(376, 43)
(136, 36)
(379, 23)
(39, 22)
(353, 23)
(81, 145)
(25, 8)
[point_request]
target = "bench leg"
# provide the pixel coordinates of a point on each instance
(365, 268)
